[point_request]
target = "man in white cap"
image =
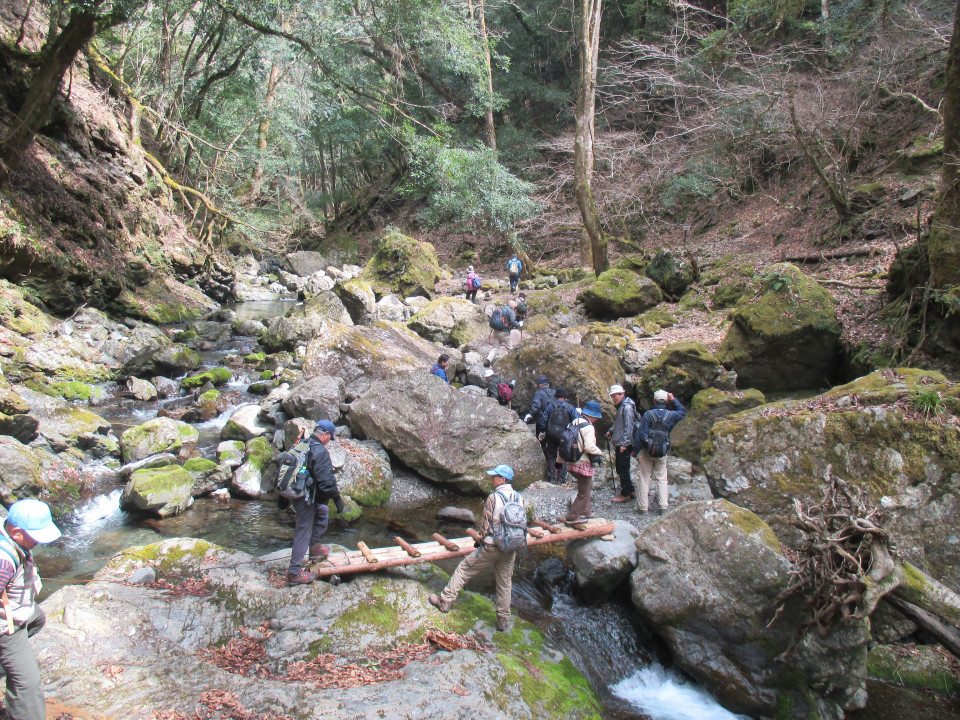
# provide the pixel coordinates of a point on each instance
(621, 437)
(28, 524)
(487, 553)
(651, 442)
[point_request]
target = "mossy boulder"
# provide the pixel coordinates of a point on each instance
(245, 423)
(259, 453)
(728, 279)
(358, 298)
(164, 300)
(363, 470)
(340, 248)
(159, 435)
(402, 266)
(670, 273)
(20, 315)
(923, 667)
(921, 156)
(569, 275)
(683, 368)
(451, 321)
(865, 433)
(163, 491)
(20, 471)
(351, 509)
(167, 360)
(610, 339)
(300, 325)
(787, 336)
(305, 263)
(706, 408)
(216, 376)
(61, 423)
(620, 293)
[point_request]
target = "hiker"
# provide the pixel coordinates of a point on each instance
(582, 467)
(651, 442)
(502, 321)
(521, 307)
(312, 512)
(543, 401)
(440, 369)
(487, 553)
(621, 437)
(496, 388)
(471, 285)
(28, 524)
(561, 415)
(514, 266)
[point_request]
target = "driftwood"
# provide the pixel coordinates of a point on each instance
(836, 255)
(944, 633)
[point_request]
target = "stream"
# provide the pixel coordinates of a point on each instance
(621, 660)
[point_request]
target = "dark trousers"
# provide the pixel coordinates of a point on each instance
(312, 521)
(556, 468)
(514, 281)
(24, 698)
(623, 471)
(472, 296)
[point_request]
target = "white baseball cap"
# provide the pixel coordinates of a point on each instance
(614, 389)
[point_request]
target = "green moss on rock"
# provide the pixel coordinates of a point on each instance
(620, 293)
(259, 453)
(402, 266)
(199, 465)
(216, 376)
(913, 666)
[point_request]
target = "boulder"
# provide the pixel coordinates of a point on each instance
(304, 263)
(163, 300)
(727, 280)
(159, 435)
(392, 309)
(215, 376)
(786, 336)
(707, 581)
(22, 427)
(456, 515)
(450, 321)
(364, 354)
(230, 453)
(866, 433)
(165, 387)
(364, 472)
(248, 328)
(300, 326)
(152, 461)
(164, 491)
(20, 472)
(138, 389)
(444, 435)
(620, 293)
(601, 566)
(610, 339)
(244, 424)
(207, 476)
(402, 266)
(62, 423)
(169, 642)
(670, 273)
(162, 359)
(316, 284)
(249, 479)
(705, 409)
(358, 298)
(684, 368)
(214, 332)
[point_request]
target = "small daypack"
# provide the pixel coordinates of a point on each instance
(293, 479)
(557, 422)
(504, 393)
(514, 267)
(497, 321)
(569, 449)
(658, 437)
(475, 282)
(512, 533)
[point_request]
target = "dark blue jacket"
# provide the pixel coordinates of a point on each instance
(670, 418)
(321, 470)
(440, 373)
(543, 401)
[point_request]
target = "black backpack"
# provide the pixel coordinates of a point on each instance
(557, 422)
(293, 479)
(547, 410)
(658, 436)
(497, 322)
(569, 449)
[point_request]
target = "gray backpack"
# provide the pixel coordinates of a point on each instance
(512, 533)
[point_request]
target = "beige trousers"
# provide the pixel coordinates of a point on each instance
(658, 468)
(474, 563)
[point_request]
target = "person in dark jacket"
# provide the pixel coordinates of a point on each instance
(312, 512)
(559, 417)
(440, 369)
(543, 401)
(655, 466)
(493, 386)
(621, 437)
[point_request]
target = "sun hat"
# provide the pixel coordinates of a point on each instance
(542, 380)
(33, 517)
(614, 389)
(504, 471)
(326, 426)
(660, 396)
(592, 409)
(488, 372)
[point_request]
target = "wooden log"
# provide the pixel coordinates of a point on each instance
(553, 529)
(535, 532)
(475, 535)
(944, 633)
(452, 547)
(408, 548)
(367, 555)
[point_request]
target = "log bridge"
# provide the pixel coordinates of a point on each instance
(365, 559)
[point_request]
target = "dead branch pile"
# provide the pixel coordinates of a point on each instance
(182, 587)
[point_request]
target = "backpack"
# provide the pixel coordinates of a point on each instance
(658, 437)
(557, 422)
(569, 449)
(293, 479)
(475, 283)
(514, 267)
(497, 322)
(545, 413)
(504, 393)
(512, 533)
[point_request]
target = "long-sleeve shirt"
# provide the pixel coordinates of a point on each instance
(621, 434)
(543, 402)
(493, 508)
(440, 373)
(588, 440)
(321, 469)
(670, 418)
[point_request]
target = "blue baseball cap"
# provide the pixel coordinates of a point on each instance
(592, 409)
(504, 471)
(326, 426)
(33, 517)
(542, 380)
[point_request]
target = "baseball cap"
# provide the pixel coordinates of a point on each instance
(614, 389)
(33, 517)
(660, 396)
(326, 426)
(488, 372)
(504, 471)
(542, 380)
(592, 408)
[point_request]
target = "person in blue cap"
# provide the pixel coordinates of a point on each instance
(313, 515)
(28, 524)
(487, 554)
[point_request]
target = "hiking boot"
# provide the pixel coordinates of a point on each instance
(319, 552)
(439, 603)
(304, 577)
(624, 498)
(503, 624)
(661, 511)
(644, 512)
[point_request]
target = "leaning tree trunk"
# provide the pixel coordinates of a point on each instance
(57, 57)
(594, 247)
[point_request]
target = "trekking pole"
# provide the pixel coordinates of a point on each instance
(612, 455)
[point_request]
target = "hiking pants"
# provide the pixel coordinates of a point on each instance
(24, 698)
(472, 296)
(312, 521)
(514, 281)
(658, 468)
(623, 458)
(475, 562)
(556, 468)
(581, 505)
(498, 338)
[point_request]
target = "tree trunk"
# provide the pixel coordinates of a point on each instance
(594, 247)
(491, 128)
(57, 57)
(263, 131)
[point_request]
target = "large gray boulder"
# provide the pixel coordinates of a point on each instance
(285, 333)
(707, 581)
(358, 298)
(163, 491)
(363, 470)
(318, 398)
(61, 423)
(20, 472)
(705, 409)
(603, 565)
(160, 435)
(452, 321)
(445, 435)
(245, 423)
(620, 293)
(163, 659)
(304, 263)
(162, 358)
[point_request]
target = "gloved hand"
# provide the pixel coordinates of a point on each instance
(527, 418)
(477, 544)
(596, 459)
(520, 323)
(338, 501)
